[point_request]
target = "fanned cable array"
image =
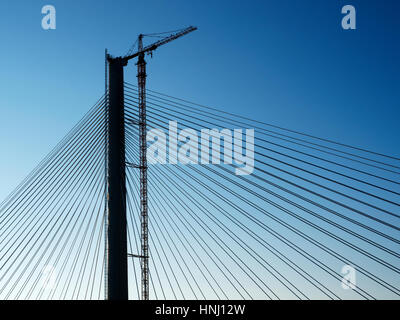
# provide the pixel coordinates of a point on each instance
(315, 219)
(52, 225)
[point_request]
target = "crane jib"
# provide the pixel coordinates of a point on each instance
(160, 42)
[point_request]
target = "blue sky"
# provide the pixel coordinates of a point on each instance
(288, 62)
(285, 62)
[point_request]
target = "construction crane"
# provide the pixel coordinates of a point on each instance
(150, 48)
(116, 268)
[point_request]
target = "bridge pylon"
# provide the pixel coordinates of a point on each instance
(117, 270)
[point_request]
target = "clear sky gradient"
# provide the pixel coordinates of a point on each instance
(286, 62)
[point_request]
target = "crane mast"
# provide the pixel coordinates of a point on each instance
(116, 191)
(141, 76)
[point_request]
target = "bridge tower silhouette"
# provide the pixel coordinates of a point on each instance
(116, 247)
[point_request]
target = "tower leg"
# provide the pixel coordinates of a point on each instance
(117, 273)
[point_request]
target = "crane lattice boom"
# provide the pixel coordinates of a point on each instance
(160, 42)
